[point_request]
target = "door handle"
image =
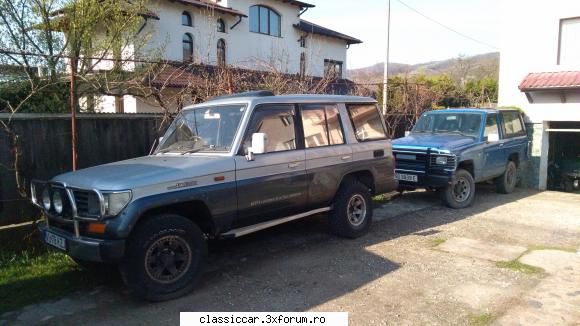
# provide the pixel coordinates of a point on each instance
(293, 165)
(346, 157)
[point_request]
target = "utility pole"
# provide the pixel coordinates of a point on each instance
(386, 66)
(73, 111)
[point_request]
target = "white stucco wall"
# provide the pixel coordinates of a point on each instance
(243, 48)
(529, 43)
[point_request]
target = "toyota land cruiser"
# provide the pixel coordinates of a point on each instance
(225, 168)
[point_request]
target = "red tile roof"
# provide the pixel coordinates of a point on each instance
(313, 28)
(550, 80)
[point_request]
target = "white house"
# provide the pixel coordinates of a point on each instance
(540, 73)
(267, 35)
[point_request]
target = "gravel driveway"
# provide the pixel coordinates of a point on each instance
(421, 264)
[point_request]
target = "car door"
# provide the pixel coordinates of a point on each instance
(514, 135)
(493, 161)
(273, 184)
(327, 154)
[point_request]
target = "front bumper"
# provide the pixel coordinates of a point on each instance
(425, 181)
(85, 248)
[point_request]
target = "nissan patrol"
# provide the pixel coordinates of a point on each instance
(225, 168)
(450, 150)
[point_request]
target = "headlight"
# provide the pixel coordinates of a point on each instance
(441, 160)
(46, 199)
(57, 202)
(115, 202)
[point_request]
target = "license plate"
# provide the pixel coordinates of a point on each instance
(55, 240)
(406, 157)
(406, 177)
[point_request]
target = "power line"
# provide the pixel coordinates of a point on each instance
(447, 27)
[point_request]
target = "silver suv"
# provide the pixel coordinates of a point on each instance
(225, 168)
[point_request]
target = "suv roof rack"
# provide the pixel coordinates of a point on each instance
(244, 94)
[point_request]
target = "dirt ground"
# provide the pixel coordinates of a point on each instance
(421, 264)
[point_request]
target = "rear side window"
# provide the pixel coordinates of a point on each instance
(490, 126)
(512, 124)
(277, 122)
(366, 121)
(321, 125)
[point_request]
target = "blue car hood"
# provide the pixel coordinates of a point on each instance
(448, 142)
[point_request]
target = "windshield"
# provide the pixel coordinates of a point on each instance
(467, 124)
(203, 129)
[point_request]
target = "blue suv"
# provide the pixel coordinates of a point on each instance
(451, 150)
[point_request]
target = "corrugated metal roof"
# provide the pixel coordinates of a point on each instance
(309, 27)
(550, 80)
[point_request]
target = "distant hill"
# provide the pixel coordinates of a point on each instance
(483, 65)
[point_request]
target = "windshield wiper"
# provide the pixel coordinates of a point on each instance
(191, 151)
(460, 133)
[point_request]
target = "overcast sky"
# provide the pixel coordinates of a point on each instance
(414, 39)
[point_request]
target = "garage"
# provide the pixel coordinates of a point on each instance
(564, 156)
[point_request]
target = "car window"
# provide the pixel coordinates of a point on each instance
(512, 124)
(463, 123)
(321, 125)
(277, 122)
(490, 126)
(366, 121)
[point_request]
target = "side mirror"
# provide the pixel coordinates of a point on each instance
(407, 133)
(492, 138)
(258, 145)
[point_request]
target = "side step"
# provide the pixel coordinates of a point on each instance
(268, 224)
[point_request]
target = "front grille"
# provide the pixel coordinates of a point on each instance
(87, 203)
(415, 161)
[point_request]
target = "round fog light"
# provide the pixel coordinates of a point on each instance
(46, 199)
(57, 202)
(576, 184)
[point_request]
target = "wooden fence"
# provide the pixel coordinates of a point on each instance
(44, 144)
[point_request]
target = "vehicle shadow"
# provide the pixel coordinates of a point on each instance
(299, 265)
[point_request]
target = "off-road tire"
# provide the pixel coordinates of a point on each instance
(506, 183)
(350, 193)
(169, 232)
(454, 196)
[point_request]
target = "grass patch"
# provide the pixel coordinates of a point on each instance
(382, 199)
(30, 273)
(481, 319)
(543, 247)
(516, 265)
(437, 241)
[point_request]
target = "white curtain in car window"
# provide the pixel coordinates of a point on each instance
(570, 42)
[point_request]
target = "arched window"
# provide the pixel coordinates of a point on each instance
(221, 52)
(186, 19)
(221, 25)
(265, 21)
(187, 47)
